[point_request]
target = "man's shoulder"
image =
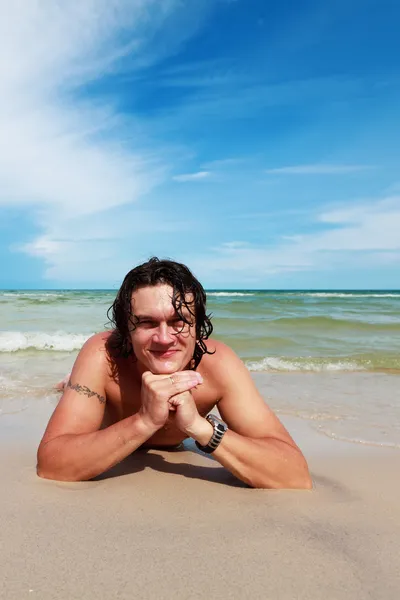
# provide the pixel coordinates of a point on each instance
(96, 348)
(220, 360)
(219, 349)
(98, 341)
(224, 370)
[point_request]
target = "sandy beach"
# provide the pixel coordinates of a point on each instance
(177, 525)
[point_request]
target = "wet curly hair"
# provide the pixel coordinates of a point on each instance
(179, 277)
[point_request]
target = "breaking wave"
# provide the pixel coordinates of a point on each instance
(229, 294)
(273, 363)
(15, 341)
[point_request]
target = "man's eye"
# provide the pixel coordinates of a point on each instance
(178, 323)
(147, 324)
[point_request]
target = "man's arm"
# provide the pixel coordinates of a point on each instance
(73, 448)
(256, 448)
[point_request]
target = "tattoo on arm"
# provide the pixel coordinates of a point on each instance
(83, 389)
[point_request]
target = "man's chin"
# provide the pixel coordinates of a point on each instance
(165, 366)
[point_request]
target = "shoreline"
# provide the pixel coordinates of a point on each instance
(288, 364)
(357, 408)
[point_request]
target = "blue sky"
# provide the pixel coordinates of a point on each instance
(256, 141)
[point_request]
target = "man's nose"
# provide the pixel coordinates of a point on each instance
(163, 335)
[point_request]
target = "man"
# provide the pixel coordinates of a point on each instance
(153, 381)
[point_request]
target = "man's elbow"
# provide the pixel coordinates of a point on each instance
(291, 482)
(292, 474)
(46, 472)
(48, 468)
(54, 461)
(300, 481)
(297, 477)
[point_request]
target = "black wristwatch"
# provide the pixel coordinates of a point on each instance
(219, 429)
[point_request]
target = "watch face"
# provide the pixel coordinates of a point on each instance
(216, 421)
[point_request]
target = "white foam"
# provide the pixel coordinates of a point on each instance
(42, 297)
(344, 295)
(13, 341)
(33, 295)
(356, 440)
(273, 363)
(229, 294)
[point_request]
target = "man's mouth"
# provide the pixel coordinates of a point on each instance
(164, 353)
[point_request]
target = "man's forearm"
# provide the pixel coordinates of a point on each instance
(81, 457)
(261, 463)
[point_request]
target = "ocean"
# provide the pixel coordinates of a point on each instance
(330, 333)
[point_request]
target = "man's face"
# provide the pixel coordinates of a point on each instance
(161, 341)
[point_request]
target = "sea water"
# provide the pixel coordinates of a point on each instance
(329, 333)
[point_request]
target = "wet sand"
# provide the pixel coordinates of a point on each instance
(177, 525)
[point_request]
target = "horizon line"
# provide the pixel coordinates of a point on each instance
(14, 289)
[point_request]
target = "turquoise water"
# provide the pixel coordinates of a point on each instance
(324, 356)
(311, 330)
(270, 330)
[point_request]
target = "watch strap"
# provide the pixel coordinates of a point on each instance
(219, 430)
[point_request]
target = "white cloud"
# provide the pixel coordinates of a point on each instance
(192, 176)
(234, 245)
(366, 235)
(67, 153)
(99, 249)
(318, 169)
(57, 151)
(225, 163)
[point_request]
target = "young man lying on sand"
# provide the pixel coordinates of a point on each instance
(152, 381)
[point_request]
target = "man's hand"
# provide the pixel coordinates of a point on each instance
(158, 392)
(188, 419)
(186, 413)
